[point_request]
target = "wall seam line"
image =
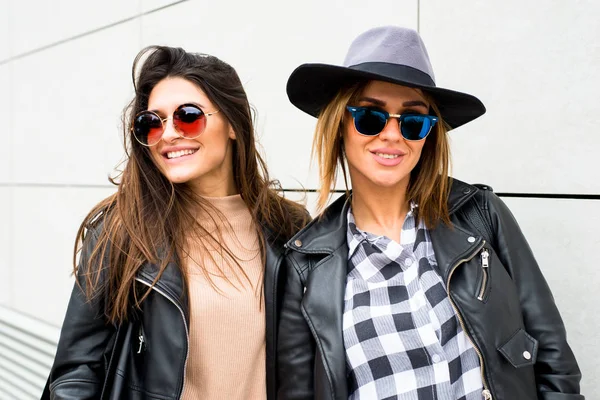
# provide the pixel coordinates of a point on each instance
(87, 33)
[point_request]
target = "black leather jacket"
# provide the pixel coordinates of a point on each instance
(508, 313)
(154, 346)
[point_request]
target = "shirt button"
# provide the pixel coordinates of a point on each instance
(527, 355)
(436, 358)
(408, 262)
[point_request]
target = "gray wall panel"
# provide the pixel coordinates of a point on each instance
(535, 68)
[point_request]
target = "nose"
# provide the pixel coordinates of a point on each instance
(169, 135)
(391, 131)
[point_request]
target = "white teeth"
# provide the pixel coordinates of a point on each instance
(382, 155)
(180, 153)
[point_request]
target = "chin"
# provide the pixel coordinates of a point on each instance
(386, 184)
(387, 181)
(179, 177)
(178, 180)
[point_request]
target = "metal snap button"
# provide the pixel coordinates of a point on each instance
(298, 242)
(471, 239)
(527, 355)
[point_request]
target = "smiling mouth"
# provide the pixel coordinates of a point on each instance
(390, 156)
(176, 154)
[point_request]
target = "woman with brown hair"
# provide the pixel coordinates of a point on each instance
(176, 281)
(413, 285)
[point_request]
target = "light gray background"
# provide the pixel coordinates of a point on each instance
(65, 77)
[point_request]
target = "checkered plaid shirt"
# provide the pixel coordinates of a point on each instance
(401, 334)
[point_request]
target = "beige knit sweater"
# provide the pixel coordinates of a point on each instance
(227, 322)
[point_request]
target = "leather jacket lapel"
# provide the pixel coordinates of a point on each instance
(325, 286)
(323, 306)
(451, 244)
(171, 284)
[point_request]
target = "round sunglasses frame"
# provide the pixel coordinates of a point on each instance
(163, 120)
(432, 120)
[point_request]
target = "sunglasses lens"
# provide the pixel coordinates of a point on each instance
(369, 122)
(147, 128)
(415, 127)
(190, 121)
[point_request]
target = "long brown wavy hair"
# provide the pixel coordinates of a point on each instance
(428, 187)
(149, 219)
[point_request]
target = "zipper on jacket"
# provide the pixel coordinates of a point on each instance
(486, 393)
(141, 339)
(187, 334)
(485, 263)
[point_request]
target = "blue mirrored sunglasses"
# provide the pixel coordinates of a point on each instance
(370, 122)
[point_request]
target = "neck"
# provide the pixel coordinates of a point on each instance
(382, 213)
(215, 187)
(219, 182)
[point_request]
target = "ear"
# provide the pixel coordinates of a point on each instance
(231, 133)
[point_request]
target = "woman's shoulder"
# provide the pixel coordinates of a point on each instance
(461, 192)
(282, 218)
(327, 231)
(93, 228)
(458, 186)
(486, 210)
(95, 222)
(297, 212)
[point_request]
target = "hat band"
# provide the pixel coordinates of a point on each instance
(398, 72)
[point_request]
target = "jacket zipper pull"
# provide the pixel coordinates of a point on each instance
(141, 338)
(485, 257)
(485, 263)
(487, 395)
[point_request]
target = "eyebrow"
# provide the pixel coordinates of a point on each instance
(410, 103)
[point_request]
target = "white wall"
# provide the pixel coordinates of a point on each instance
(65, 77)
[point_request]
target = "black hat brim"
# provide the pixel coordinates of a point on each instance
(312, 86)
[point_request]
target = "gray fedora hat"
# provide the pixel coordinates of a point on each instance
(391, 54)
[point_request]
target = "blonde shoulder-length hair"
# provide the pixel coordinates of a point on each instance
(429, 185)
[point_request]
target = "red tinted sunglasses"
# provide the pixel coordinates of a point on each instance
(189, 122)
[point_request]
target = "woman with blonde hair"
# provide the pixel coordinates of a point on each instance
(176, 283)
(413, 285)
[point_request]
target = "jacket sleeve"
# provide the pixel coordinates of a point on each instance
(556, 370)
(296, 347)
(78, 370)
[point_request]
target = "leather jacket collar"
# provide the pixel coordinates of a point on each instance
(327, 233)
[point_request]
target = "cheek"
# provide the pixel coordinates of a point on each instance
(215, 147)
(217, 136)
(155, 156)
(350, 142)
(417, 149)
(355, 146)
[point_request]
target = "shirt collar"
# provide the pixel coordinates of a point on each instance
(355, 236)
